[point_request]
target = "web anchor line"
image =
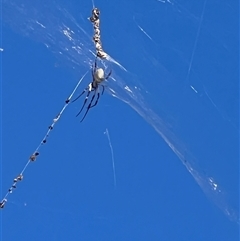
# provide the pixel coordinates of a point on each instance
(36, 153)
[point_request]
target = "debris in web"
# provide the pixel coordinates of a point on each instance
(95, 19)
(96, 37)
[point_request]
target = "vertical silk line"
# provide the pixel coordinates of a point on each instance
(113, 162)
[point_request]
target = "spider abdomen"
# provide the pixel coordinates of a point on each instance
(99, 75)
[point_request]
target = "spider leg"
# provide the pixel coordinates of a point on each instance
(89, 106)
(81, 94)
(103, 88)
(98, 96)
(95, 64)
(108, 74)
(94, 67)
(85, 101)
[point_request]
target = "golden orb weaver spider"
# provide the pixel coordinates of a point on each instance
(98, 76)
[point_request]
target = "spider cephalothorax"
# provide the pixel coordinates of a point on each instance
(98, 76)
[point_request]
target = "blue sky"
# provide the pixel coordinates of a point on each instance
(173, 126)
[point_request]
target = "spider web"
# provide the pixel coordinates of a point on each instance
(159, 103)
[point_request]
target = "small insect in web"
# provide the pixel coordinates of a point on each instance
(98, 76)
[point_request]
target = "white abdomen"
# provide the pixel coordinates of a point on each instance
(99, 75)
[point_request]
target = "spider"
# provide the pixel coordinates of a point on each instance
(98, 77)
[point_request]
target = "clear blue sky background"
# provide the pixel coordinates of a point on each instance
(177, 163)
